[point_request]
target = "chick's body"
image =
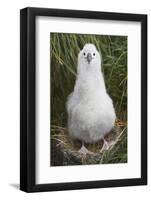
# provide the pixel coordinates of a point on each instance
(90, 109)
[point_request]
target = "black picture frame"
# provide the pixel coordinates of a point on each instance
(28, 98)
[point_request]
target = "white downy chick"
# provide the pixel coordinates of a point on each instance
(91, 114)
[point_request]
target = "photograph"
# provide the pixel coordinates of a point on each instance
(83, 84)
(88, 99)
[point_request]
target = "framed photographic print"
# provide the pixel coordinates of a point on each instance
(83, 99)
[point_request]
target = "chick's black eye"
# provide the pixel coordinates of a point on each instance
(84, 53)
(93, 54)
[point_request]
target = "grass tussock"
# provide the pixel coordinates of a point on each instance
(64, 50)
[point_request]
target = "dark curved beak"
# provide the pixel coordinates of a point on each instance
(89, 57)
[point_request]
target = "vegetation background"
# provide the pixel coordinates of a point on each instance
(64, 49)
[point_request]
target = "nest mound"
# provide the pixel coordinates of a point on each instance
(64, 150)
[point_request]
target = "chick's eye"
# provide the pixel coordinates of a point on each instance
(84, 54)
(93, 54)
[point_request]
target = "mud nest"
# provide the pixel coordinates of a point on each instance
(64, 150)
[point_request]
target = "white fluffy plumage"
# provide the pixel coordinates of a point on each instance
(91, 114)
